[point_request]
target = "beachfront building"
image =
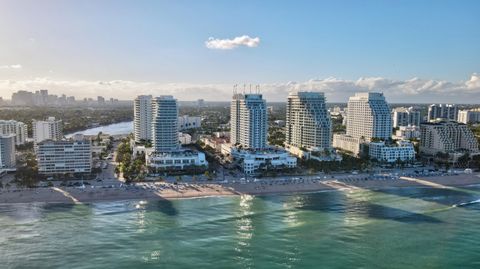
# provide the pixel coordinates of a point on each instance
(142, 123)
(17, 128)
(402, 116)
(167, 153)
(442, 111)
(248, 136)
(403, 151)
(64, 157)
(308, 124)
(249, 123)
(186, 122)
(368, 118)
(447, 137)
(407, 133)
(469, 116)
(49, 129)
(7, 152)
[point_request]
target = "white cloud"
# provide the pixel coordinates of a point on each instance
(336, 90)
(13, 66)
(228, 44)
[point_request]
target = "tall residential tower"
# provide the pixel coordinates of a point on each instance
(142, 124)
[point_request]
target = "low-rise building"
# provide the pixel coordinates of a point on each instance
(7, 151)
(176, 160)
(252, 161)
(184, 138)
(348, 143)
(64, 157)
(407, 132)
(447, 137)
(17, 128)
(401, 151)
(186, 122)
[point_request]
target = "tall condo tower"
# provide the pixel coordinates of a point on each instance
(369, 116)
(308, 121)
(142, 124)
(50, 129)
(249, 122)
(165, 124)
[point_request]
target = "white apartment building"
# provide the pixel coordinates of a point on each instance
(308, 123)
(403, 116)
(266, 159)
(446, 137)
(402, 151)
(442, 111)
(165, 124)
(249, 124)
(180, 160)
(469, 116)
(348, 143)
(142, 123)
(17, 128)
(369, 116)
(7, 151)
(407, 132)
(184, 138)
(50, 129)
(186, 122)
(64, 157)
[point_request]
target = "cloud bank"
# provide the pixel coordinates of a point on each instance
(13, 66)
(228, 44)
(413, 90)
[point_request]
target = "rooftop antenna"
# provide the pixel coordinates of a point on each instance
(250, 88)
(244, 87)
(257, 88)
(235, 89)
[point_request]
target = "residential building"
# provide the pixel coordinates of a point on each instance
(50, 129)
(469, 116)
(165, 124)
(402, 151)
(187, 122)
(17, 128)
(7, 151)
(184, 138)
(176, 160)
(249, 124)
(446, 137)
(254, 161)
(64, 157)
(308, 123)
(442, 111)
(142, 123)
(403, 116)
(368, 118)
(407, 132)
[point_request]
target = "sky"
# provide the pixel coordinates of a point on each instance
(413, 51)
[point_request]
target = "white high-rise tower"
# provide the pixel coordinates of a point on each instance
(308, 121)
(165, 124)
(249, 124)
(369, 116)
(142, 124)
(50, 129)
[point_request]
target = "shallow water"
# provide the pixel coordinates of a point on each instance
(404, 228)
(111, 129)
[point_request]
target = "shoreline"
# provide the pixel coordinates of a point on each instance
(167, 191)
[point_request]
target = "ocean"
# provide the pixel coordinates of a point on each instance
(401, 228)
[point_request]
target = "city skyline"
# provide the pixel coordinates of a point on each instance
(338, 48)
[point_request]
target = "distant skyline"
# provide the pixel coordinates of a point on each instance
(413, 51)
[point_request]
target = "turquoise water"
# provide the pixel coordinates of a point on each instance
(407, 228)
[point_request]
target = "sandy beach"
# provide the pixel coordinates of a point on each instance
(162, 190)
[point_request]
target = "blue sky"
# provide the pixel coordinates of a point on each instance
(164, 41)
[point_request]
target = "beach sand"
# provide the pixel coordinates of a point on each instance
(159, 191)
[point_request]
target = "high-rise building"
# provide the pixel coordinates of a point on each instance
(369, 116)
(7, 151)
(66, 156)
(165, 124)
(446, 137)
(48, 129)
(23, 98)
(469, 116)
(308, 121)
(249, 124)
(17, 128)
(142, 124)
(442, 111)
(403, 116)
(100, 100)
